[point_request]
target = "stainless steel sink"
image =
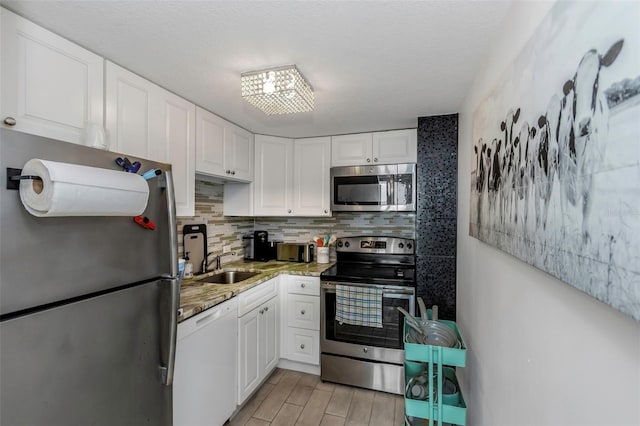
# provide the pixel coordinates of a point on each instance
(229, 277)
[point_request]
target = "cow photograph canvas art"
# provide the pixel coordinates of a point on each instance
(555, 174)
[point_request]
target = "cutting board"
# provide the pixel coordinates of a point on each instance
(194, 241)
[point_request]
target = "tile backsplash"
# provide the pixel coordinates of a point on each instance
(221, 230)
(227, 230)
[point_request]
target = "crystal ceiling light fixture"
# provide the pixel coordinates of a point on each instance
(281, 90)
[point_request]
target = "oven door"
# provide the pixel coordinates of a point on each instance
(378, 344)
(363, 188)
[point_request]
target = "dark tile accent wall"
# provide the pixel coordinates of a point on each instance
(437, 211)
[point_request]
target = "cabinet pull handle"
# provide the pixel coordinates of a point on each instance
(289, 210)
(266, 309)
(368, 160)
(303, 285)
(228, 172)
(302, 312)
(302, 346)
(326, 211)
(233, 172)
(10, 121)
(261, 311)
(375, 160)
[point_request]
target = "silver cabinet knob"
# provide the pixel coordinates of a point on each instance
(375, 160)
(326, 211)
(289, 210)
(366, 350)
(302, 312)
(303, 285)
(266, 309)
(368, 160)
(302, 346)
(233, 172)
(10, 121)
(228, 172)
(261, 311)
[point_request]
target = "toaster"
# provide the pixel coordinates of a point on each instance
(295, 252)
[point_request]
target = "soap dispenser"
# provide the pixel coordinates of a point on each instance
(188, 266)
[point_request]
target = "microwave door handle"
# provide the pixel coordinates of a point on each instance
(392, 191)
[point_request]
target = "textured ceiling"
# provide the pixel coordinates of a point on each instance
(374, 65)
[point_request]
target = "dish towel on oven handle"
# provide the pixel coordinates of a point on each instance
(357, 305)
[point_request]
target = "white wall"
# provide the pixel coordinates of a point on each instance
(541, 352)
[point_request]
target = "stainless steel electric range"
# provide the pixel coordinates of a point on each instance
(359, 355)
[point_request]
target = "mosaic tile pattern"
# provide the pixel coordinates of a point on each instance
(221, 230)
(227, 230)
(437, 211)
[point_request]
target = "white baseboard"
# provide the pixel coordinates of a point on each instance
(299, 366)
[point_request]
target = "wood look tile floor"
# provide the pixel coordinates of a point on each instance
(294, 398)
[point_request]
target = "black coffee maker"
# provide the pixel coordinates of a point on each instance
(262, 250)
(256, 247)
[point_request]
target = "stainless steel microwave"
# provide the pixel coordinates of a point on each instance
(386, 187)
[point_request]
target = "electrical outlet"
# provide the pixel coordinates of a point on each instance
(226, 249)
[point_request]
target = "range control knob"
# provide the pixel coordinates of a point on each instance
(346, 244)
(401, 245)
(339, 243)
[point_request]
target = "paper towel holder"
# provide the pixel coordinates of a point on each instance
(14, 176)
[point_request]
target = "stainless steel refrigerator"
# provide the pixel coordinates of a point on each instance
(88, 305)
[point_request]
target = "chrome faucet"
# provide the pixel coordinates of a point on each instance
(205, 263)
(232, 253)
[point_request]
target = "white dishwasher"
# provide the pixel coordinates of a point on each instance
(205, 382)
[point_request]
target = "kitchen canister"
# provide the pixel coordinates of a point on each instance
(323, 254)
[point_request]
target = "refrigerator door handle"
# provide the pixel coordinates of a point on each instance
(173, 229)
(171, 292)
(170, 304)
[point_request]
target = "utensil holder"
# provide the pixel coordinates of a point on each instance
(323, 254)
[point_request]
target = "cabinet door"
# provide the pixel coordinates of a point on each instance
(311, 189)
(210, 149)
(395, 146)
(147, 121)
(50, 86)
(240, 148)
(272, 176)
(129, 114)
(351, 150)
(249, 368)
(177, 140)
(269, 338)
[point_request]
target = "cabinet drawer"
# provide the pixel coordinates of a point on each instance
(257, 296)
(303, 345)
(304, 311)
(298, 284)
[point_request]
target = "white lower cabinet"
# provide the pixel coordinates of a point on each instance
(301, 310)
(204, 388)
(258, 336)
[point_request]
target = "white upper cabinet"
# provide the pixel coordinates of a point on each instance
(273, 176)
(50, 86)
(395, 146)
(350, 150)
(291, 177)
(147, 121)
(222, 149)
(311, 191)
(391, 147)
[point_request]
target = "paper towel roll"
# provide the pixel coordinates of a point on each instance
(73, 190)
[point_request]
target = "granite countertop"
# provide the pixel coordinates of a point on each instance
(197, 296)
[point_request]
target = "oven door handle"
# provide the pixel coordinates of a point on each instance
(331, 288)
